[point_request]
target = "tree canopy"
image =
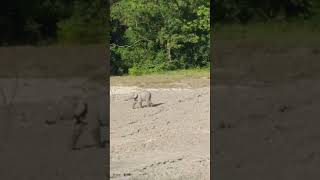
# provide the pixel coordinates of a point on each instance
(157, 35)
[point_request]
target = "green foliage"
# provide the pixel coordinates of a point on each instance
(161, 35)
(75, 30)
(88, 23)
(157, 25)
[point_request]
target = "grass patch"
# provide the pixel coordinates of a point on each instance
(198, 77)
(184, 72)
(272, 51)
(53, 61)
(278, 33)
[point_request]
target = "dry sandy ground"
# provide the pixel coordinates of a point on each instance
(31, 149)
(267, 131)
(168, 141)
(265, 109)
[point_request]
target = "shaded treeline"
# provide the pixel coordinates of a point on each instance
(50, 21)
(146, 35)
(46, 21)
(245, 11)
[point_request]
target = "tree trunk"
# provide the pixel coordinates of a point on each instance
(169, 53)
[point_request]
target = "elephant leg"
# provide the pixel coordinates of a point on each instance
(77, 132)
(134, 104)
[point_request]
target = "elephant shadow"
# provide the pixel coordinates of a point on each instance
(158, 104)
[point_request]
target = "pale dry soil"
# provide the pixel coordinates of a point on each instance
(266, 111)
(35, 144)
(267, 131)
(170, 140)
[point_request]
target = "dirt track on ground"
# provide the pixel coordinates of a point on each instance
(167, 141)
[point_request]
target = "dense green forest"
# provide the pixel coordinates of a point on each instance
(146, 35)
(160, 35)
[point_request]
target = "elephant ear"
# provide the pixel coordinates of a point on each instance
(135, 95)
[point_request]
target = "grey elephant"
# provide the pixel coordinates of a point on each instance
(85, 123)
(80, 111)
(139, 97)
(102, 117)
